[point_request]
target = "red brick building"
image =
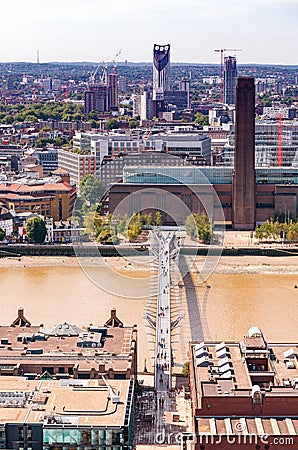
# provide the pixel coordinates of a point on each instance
(244, 394)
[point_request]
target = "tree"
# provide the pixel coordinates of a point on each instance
(42, 142)
(2, 234)
(200, 119)
(105, 236)
(59, 141)
(271, 229)
(204, 227)
(122, 223)
(259, 234)
(158, 218)
(36, 229)
(8, 119)
(91, 189)
(112, 124)
(133, 123)
(292, 234)
(148, 219)
(93, 223)
(199, 226)
(30, 118)
(134, 227)
(185, 369)
(18, 118)
(93, 115)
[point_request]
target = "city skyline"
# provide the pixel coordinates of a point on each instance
(74, 31)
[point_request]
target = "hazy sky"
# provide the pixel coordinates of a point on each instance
(94, 30)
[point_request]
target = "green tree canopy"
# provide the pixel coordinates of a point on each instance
(201, 119)
(93, 115)
(134, 227)
(8, 119)
(42, 142)
(112, 124)
(185, 369)
(158, 219)
(93, 223)
(36, 229)
(44, 111)
(91, 189)
(199, 226)
(133, 123)
(276, 230)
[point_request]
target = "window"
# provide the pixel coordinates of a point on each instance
(21, 433)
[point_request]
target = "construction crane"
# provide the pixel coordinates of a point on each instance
(115, 60)
(103, 79)
(93, 75)
(222, 50)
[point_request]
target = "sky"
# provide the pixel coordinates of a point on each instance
(95, 30)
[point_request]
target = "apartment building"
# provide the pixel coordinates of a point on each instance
(48, 197)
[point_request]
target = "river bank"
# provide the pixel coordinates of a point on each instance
(138, 265)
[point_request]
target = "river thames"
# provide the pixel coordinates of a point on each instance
(222, 308)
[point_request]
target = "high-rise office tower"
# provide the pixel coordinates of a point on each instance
(113, 91)
(230, 74)
(184, 85)
(146, 105)
(161, 71)
(122, 84)
(96, 99)
(244, 160)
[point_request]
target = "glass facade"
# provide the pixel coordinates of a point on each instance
(178, 175)
(277, 175)
(266, 155)
(266, 140)
(230, 74)
(204, 175)
(83, 439)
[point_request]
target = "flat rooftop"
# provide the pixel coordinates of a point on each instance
(87, 347)
(76, 402)
(232, 368)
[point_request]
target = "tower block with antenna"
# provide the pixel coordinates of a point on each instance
(221, 51)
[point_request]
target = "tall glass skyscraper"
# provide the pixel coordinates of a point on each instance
(230, 75)
(161, 70)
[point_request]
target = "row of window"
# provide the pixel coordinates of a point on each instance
(80, 437)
